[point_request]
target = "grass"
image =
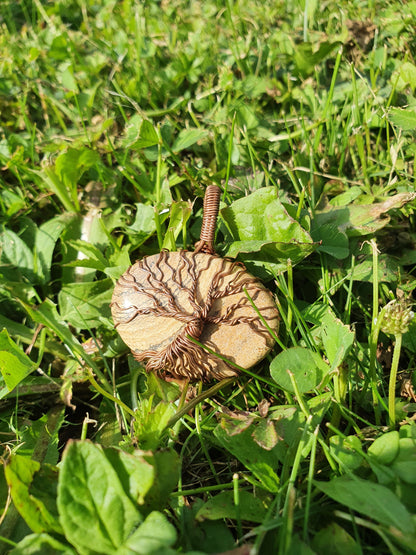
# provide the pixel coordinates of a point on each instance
(115, 116)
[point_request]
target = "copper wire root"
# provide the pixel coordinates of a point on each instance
(209, 220)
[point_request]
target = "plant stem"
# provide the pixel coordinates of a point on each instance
(204, 395)
(376, 321)
(393, 377)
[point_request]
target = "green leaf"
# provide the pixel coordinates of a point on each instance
(94, 508)
(405, 118)
(136, 474)
(150, 422)
(17, 254)
(387, 270)
(180, 213)
(404, 464)
(188, 137)
(306, 59)
(46, 314)
(86, 305)
(241, 442)
(144, 223)
(333, 241)
(153, 536)
(166, 468)
(307, 367)
(265, 433)
(337, 339)
(249, 508)
(147, 135)
(66, 77)
(71, 165)
(33, 490)
(346, 452)
(347, 197)
(261, 226)
(404, 76)
(362, 219)
(15, 365)
(41, 544)
(373, 500)
(25, 334)
(40, 439)
(46, 237)
(334, 540)
(92, 253)
(52, 183)
(385, 448)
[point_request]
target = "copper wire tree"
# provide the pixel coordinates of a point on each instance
(164, 301)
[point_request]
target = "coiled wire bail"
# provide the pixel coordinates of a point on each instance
(209, 220)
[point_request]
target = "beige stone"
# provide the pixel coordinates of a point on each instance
(163, 299)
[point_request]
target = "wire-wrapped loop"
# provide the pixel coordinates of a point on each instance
(209, 220)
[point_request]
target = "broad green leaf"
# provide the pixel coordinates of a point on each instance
(249, 508)
(385, 448)
(25, 334)
(45, 241)
(91, 252)
(40, 439)
(404, 464)
(188, 137)
(307, 367)
(179, 215)
(261, 225)
(166, 466)
(15, 365)
(153, 536)
(262, 462)
(346, 452)
(333, 241)
(207, 536)
(146, 136)
(261, 216)
(337, 339)
(135, 472)
(334, 540)
(66, 77)
(404, 76)
(52, 183)
(306, 59)
(46, 314)
(70, 166)
(41, 544)
(93, 506)
(12, 201)
(387, 270)
(33, 490)
(144, 223)
(131, 131)
(299, 547)
(347, 197)
(362, 219)
(160, 389)
(271, 255)
(405, 118)
(150, 422)
(408, 430)
(373, 500)
(86, 305)
(15, 253)
(265, 433)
